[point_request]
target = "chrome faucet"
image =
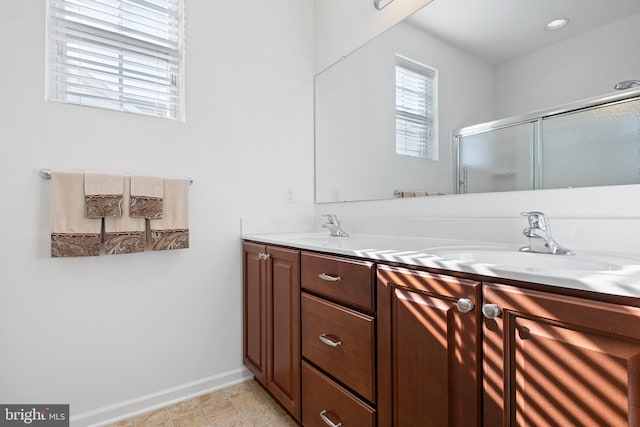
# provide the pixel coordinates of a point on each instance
(539, 234)
(333, 225)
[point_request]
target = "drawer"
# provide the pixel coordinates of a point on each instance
(352, 362)
(323, 396)
(347, 281)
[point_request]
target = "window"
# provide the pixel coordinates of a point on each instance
(416, 110)
(124, 55)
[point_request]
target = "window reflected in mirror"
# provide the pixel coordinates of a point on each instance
(416, 109)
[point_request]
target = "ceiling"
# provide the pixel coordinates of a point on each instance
(499, 30)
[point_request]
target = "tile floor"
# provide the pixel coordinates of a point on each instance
(241, 405)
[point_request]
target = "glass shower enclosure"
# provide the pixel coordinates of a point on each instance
(590, 143)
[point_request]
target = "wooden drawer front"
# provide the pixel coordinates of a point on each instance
(352, 361)
(347, 281)
(322, 395)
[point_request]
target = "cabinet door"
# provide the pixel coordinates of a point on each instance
(255, 311)
(283, 327)
(552, 360)
(428, 364)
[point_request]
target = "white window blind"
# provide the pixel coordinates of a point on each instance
(415, 110)
(124, 55)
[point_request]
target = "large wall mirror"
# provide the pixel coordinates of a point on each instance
(459, 63)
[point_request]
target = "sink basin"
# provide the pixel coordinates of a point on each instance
(527, 261)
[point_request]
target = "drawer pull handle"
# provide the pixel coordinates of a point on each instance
(465, 305)
(329, 341)
(491, 311)
(329, 278)
(327, 421)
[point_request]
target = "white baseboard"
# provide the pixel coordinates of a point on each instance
(129, 408)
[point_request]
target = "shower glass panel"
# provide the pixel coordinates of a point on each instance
(497, 160)
(596, 146)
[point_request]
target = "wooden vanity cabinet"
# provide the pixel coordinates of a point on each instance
(543, 358)
(559, 360)
(424, 348)
(271, 321)
(428, 349)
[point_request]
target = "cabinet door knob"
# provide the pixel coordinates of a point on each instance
(491, 311)
(263, 256)
(465, 305)
(329, 278)
(327, 421)
(328, 341)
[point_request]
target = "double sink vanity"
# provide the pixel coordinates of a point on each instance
(370, 330)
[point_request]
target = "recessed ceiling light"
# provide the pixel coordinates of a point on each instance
(556, 24)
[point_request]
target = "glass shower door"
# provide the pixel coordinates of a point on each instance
(497, 160)
(595, 146)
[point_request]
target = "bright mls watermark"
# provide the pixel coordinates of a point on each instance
(34, 415)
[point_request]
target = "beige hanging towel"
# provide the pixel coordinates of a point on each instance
(146, 197)
(103, 194)
(72, 233)
(123, 234)
(172, 230)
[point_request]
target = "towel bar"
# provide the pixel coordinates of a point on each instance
(46, 174)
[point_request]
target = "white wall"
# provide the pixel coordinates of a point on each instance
(93, 332)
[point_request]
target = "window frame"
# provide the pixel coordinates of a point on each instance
(127, 65)
(429, 146)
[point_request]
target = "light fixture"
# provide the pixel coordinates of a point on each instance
(556, 24)
(379, 4)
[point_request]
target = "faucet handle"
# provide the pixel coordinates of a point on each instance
(331, 218)
(333, 225)
(536, 219)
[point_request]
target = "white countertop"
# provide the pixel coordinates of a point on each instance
(605, 273)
